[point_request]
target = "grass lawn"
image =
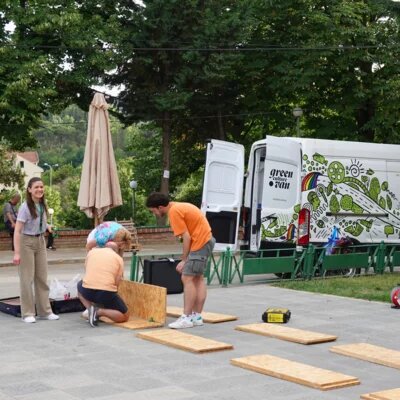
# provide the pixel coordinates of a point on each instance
(367, 287)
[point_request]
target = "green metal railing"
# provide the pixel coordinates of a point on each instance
(229, 266)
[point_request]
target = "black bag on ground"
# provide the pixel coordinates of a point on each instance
(12, 306)
(163, 273)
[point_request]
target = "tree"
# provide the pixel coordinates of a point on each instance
(56, 52)
(10, 175)
(169, 78)
(338, 60)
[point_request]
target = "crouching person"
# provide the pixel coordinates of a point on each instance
(98, 291)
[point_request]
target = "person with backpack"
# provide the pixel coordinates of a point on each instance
(10, 213)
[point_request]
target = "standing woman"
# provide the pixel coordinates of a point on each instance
(30, 254)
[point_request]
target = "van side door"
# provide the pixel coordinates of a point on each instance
(281, 191)
(223, 190)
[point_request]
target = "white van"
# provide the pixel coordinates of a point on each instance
(297, 190)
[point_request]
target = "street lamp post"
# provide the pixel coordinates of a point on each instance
(133, 184)
(51, 172)
(297, 113)
(51, 212)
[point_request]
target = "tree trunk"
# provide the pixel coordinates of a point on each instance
(221, 131)
(366, 110)
(166, 159)
(364, 114)
(166, 152)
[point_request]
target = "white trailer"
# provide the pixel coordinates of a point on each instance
(297, 190)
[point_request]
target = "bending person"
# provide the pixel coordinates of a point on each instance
(98, 291)
(106, 234)
(188, 221)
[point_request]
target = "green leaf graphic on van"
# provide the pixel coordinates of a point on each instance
(336, 172)
(357, 209)
(367, 224)
(389, 230)
(389, 202)
(334, 205)
(314, 200)
(276, 233)
(346, 202)
(374, 189)
(329, 189)
(320, 158)
(354, 230)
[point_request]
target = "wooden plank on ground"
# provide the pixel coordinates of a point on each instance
(133, 323)
(184, 341)
(391, 394)
(286, 333)
(147, 305)
(209, 317)
(369, 352)
(292, 371)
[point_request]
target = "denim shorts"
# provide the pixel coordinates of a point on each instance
(197, 260)
(103, 298)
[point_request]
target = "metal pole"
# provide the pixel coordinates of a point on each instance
(51, 175)
(298, 126)
(133, 204)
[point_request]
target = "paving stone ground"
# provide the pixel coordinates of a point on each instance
(69, 360)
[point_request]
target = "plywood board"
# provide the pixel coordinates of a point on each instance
(292, 371)
(209, 317)
(133, 323)
(391, 394)
(370, 352)
(147, 305)
(287, 333)
(184, 341)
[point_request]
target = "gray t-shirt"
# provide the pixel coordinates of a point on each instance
(32, 225)
(9, 208)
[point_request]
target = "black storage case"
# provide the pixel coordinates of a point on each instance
(12, 306)
(163, 273)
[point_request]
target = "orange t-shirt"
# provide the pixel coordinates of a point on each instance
(185, 217)
(103, 267)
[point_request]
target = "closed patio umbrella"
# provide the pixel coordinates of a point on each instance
(99, 189)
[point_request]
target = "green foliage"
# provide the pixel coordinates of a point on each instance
(53, 199)
(191, 190)
(338, 61)
(10, 174)
(144, 142)
(339, 67)
(71, 214)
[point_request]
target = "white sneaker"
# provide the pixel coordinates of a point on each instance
(85, 314)
(30, 319)
(197, 319)
(52, 317)
(182, 322)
